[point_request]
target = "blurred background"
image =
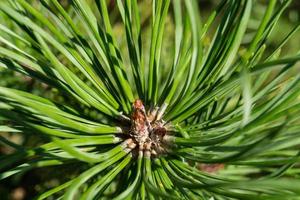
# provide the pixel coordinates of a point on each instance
(28, 185)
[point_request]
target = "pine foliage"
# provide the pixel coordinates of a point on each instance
(230, 108)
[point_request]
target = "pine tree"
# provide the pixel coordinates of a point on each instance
(206, 119)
